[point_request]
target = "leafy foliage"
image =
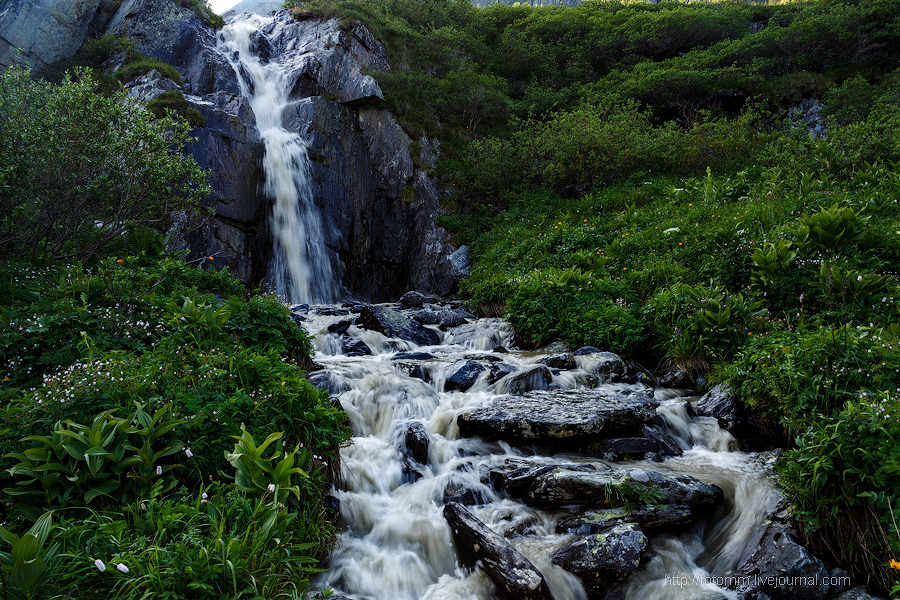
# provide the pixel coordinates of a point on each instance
(83, 169)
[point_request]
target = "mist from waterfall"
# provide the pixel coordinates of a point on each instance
(300, 269)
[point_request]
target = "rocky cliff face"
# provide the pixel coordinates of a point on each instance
(379, 209)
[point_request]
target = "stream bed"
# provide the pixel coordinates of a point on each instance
(394, 541)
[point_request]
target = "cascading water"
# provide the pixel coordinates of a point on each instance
(300, 269)
(394, 541)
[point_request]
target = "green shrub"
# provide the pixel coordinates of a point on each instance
(175, 102)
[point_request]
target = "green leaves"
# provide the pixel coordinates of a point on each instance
(113, 457)
(258, 474)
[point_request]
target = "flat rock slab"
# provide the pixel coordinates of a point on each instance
(559, 415)
(562, 487)
(515, 576)
(648, 516)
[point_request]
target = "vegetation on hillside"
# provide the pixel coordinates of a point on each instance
(158, 436)
(640, 177)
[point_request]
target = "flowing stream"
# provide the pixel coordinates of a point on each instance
(300, 269)
(394, 542)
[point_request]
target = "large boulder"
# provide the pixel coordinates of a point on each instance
(559, 415)
(561, 487)
(603, 559)
(515, 576)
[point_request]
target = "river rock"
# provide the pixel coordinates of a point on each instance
(559, 361)
(604, 558)
(426, 317)
(395, 324)
(340, 326)
(447, 319)
(329, 382)
(413, 299)
(857, 593)
(514, 575)
(538, 378)
(559, 415)
(499, 370)
(515, 476)
(648, 516)
(417, 442)
(464, 375)
(350, 346)
(555, 347)
(779, 567)
(561, 487)
(676, 378)
(719, 404)
(585, 350)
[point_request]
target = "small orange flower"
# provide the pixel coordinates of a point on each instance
(895, 564)
(210, 258)
(119, 261)
(679, 243)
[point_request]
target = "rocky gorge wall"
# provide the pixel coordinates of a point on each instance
(379, 209)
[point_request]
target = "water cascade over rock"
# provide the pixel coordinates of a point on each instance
(301, 267)
(377, 204)
(521, 505)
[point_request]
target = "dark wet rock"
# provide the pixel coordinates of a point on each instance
(412, 356)
(537, 378)
(648, 516)
(559, 361)
(858, 593)
(585, 350)
(515, 476)
(414, 370)
(350, 346)
(411, 471)
(563, 486)
(677, 378)
(555, 347)
(513, 574)
(340, 326)
(605, 558)
(447, 319)
(460, 261)
(587, 380)
(413, 299)
(395, 324)
(331, 311)
(665, 443)
(298, 319)
(462, 494)
(719, 404)
(328, 381)
(610, 368)
(416, 442)
(464, 375)
(630, 448)
(300, 309)
(484, 357)
(559, 415)
(779, 567)
(500, 349)
(499, 370)
(426, 317)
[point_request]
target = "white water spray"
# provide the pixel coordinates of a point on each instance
(301, 268)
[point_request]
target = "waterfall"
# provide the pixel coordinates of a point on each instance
(300, 269)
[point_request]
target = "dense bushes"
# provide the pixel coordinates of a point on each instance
(148, 422)
(81, 169)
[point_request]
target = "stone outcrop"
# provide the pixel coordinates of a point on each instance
(37, 32)
(559, 415)
(395, 324)
(648, 516)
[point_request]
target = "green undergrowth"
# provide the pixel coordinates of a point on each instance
(159, 436)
